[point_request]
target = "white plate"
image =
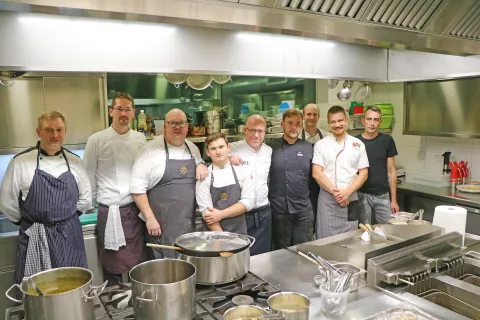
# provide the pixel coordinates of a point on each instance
(470, 188)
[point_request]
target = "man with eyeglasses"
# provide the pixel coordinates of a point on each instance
(378, 203)
(44, 190)
(256, 156)
(108, 159)
(290, 172)
(336, 161)
(163, 183)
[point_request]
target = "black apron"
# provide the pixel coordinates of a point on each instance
(259, 226)
(172, 201)
(225, 197)
(51, 202)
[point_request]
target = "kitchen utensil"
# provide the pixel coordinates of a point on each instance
(32, 284)
(290, 305)
(221, 78)
(374, 237)
(332, 302)
(199, 81)
(419, 212)
(324, 263)
(363, 92)
(202, 249)
(162, 246)
(369, 227)
(163, 289)
(332, 84)
(176, 78)
(59, 306)
(10, 76)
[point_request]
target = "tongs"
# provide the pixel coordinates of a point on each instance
(323, 263)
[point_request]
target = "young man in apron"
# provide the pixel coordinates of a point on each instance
(227, 192)
(108, 159)
(336, 161)
(163, 183)
(44, 190)
(256, 156)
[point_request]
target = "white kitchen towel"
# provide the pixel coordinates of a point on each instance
(114, 236)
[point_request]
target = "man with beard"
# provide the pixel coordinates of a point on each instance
(290, 171)
(108, 159)
(44, 190)
(227, 192)
(382, 174)
(163, 183)
(337, 160)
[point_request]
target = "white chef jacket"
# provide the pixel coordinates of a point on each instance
(149, 165)
(20, 172)
(258, 163)
(340, 162)
(316, 137)
(224, 177)
(108, 160)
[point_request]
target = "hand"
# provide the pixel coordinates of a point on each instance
(213, 216)
(341, 195)
(236, 160)
(201, 172)
(91, 210)
(394, 206)
(153, 227)
(344, 203)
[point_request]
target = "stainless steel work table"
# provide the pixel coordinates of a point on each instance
(291, 272)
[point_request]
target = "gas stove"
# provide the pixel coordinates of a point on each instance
(115, 302)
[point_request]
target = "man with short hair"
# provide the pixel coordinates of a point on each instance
(382, 174)
(163, 183)
(289, 196)
(336, 161)
(256, 156)
(227, 192)
(108, 159)
(44, 190)
(311, 133)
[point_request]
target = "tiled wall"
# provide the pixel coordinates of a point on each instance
(414, 152)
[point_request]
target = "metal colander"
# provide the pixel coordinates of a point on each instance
(470, 278)
(8, 75)
(452, 303)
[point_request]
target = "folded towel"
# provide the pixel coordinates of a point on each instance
(114, 236)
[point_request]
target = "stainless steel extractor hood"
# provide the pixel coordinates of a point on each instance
(442, 26)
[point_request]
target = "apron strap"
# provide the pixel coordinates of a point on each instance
(303, 134)
(167, 154)
(234, 177)
(320, 134)
(63, 153)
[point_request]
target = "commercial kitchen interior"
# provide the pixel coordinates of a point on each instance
(91, 49)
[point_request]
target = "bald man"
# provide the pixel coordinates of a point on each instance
(257, 156)
(163, 183)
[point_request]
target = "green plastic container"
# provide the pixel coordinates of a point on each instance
(385, 108)
(386, 122)
(88, 218)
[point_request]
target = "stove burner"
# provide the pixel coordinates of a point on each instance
(242, 300)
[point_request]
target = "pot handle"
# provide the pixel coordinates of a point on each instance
(253, 240)
(144, 299)
(94, 292)
(11, 298)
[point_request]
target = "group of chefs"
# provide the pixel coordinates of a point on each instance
(307, 184)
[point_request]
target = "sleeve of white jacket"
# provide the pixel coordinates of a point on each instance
(90, 161)
(10, 192)
(203, 195)
(247, 197)
(84, 189)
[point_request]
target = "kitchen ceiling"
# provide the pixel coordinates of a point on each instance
(442, 26)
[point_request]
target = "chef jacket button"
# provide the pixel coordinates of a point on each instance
(41, 158)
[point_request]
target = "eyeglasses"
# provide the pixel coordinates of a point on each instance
(173, 124)
(127, 110)
(253, 131)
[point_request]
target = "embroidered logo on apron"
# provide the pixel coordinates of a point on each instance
(183, 170)
(224, 196)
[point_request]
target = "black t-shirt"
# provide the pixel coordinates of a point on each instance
(378, 150)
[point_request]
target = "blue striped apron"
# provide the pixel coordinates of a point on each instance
(52, 202)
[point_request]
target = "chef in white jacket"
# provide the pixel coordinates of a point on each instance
(109, 157)
(44, 190)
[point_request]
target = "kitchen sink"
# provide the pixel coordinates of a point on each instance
(7, 227)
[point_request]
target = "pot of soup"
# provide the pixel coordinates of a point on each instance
(67, 294)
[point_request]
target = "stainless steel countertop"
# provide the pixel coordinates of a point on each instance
(443, 194)
(290, 272)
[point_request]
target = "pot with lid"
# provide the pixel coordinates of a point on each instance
(68, 294)
(205, 250)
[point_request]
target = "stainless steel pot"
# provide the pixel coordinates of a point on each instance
(76, 304)
(291, 305)
(217, 270)
(244, 312)
(163, 289)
